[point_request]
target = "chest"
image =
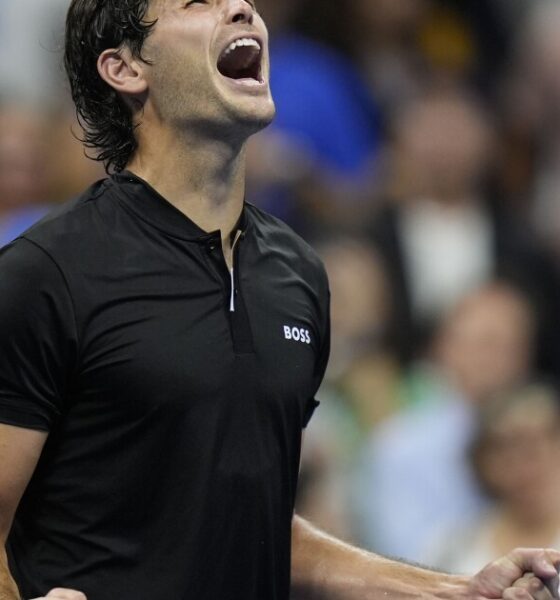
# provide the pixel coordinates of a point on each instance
(178, 337)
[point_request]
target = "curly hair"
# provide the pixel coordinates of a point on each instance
(93, 26)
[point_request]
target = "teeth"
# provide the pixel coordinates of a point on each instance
(240, 43)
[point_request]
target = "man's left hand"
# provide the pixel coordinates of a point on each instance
(517, 575)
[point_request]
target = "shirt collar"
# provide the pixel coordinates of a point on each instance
(142, 199)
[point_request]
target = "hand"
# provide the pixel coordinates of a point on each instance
(498, 579)
(63, 594)
(529, 587)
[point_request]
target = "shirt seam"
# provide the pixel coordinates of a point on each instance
(72, 302)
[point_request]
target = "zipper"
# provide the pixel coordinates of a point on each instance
(232, 294)
(235, 307)
(238, 235)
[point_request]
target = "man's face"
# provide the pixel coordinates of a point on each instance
(209, 66)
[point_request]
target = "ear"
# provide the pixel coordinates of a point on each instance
(122, 72)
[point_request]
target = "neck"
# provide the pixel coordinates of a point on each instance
(203, 178)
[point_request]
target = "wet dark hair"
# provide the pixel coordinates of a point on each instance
(93, 26)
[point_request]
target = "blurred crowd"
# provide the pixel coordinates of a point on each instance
(417, 148)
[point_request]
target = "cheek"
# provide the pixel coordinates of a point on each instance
(177, 49)
(178, 82)
(261, 26)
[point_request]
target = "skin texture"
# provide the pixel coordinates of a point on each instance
(189, 41)
(192, 130)
(324, 568)
(63, 594)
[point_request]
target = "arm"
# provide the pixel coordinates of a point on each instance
(326, 569)
(36, 364)
(19, 452)
(8, 588)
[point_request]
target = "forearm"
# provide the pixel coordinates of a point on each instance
(326, 569)
(8, 587)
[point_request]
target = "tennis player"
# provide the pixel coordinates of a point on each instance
(161, 343)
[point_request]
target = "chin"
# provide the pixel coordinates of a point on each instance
(262, 116)
(252, 116)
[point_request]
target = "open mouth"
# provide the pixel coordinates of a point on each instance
(242, 59)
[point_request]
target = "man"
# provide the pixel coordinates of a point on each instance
(155, 373)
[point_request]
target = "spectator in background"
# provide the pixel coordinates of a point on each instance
(360, 385)
(23, 170)
(471, 40)
(386, 44)
(362, 365)
(41, 164)
(318, 154)
(69, 168)
(30, 40)
(533, 111)
(439, 233)
(415, 475)
(516, 457)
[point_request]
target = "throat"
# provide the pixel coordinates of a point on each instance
(205, 182)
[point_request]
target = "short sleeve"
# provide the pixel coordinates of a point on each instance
(324, 351)
(38, 341)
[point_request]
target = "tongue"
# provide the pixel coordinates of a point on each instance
(240, 63)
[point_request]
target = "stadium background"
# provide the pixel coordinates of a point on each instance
(417, 147)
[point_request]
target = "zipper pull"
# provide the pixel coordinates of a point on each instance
(238, 235)
(232, 297)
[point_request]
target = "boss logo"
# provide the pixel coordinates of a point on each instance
(297, 334)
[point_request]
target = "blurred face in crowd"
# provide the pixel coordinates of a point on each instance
(23, 151)
(485, 345)
(517, 455)
(208, 66)
(443, 146)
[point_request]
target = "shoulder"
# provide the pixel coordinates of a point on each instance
(25, 266)
(35, 290)
(281, 239)
(281, 235)
(74, 220)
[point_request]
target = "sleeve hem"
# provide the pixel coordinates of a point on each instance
(309, 411)
(18, 417)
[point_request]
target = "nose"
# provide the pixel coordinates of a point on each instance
(240, 11)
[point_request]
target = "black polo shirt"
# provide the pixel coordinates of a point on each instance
(175, 407)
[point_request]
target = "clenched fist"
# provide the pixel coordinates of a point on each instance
(524, 574)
